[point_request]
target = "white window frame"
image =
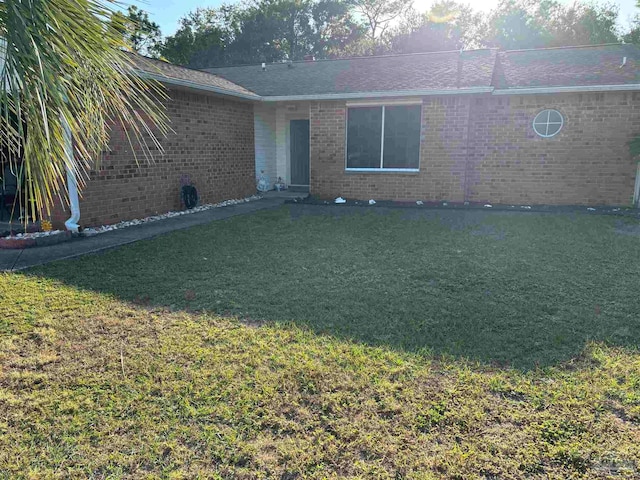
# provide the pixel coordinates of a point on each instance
(547, 123)
(383, 105)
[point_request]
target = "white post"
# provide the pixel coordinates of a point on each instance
(72, 182)
(636, 193)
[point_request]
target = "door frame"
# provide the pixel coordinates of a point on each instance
(289, 145)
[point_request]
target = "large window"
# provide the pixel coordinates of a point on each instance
(383, 137)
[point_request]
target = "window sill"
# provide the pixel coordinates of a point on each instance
(382, 170)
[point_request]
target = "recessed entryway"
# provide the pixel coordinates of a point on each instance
(299, 152)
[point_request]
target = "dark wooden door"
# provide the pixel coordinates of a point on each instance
(299, 140)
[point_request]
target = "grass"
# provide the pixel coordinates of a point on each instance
(280, 345)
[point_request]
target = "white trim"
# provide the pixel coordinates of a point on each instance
(390, 170)
(582, 88)
(289, 144)
(399, 93)
(197, 86)
(384, 108)
(636, 193)
(388, 102)
(381, 168)
(547, 123)
(388, 94)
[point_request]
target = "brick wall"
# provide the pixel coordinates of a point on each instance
(483, 149)
(213, 142)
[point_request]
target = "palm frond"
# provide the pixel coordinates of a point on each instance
(64, 62)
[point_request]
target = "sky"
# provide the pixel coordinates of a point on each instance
(166, 13)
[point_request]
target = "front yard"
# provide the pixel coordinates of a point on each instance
(313, 342)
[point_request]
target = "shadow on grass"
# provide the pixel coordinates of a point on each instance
(519, 289)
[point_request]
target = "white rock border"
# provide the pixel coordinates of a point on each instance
(141, 221)
(35, 234)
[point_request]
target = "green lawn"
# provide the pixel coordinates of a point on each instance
(295, 344)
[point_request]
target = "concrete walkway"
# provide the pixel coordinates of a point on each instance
(11, 260)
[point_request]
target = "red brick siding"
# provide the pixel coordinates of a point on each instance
(588, 162)
(484, 149)
(213, 142)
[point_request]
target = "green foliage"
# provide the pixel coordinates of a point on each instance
(65, 65)
(448, 25)
(139, 33)
(550, 23)
(266, 31)
(201, 39)
(634, 147)
(278, 30)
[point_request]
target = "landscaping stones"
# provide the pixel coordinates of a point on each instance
(35, 239)
(445, 205)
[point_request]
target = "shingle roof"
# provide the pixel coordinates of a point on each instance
(175, 74)
(392, 73)
(568, 67)
(445, 72)
(581, 66)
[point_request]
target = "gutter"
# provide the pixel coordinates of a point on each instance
(577, 89)
(197, 86)
(387, 94)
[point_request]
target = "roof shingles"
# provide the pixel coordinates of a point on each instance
(414, 72)
(438, 72)
(159, 70)
(569, 67)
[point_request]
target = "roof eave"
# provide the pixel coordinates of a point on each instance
(571, 89)
(197, 86)
(383, 94)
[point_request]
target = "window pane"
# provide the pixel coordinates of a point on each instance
(364, 129)
(402, 136)
(553, 128)
(554, 117)
(548, 123)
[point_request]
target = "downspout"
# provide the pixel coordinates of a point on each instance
(72, 182)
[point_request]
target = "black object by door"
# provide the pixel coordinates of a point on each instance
(299, 141)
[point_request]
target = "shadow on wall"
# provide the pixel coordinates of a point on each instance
(508, 289)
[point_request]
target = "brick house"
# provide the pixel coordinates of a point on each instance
(545, 126)
(211, 143)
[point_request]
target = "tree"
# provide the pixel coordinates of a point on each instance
(335, 29)
(518, 24)
(65, 67)
(201, 39)
(378, 16)
(633, 35)
(448, 25)
(140, 33)
(583, 24)
(548, 23)
(263, 31)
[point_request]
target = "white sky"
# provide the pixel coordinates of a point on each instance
(627, 7)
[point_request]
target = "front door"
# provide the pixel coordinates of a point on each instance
(299, 140)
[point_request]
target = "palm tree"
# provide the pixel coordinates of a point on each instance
(64, 69)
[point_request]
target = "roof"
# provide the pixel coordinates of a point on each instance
(528, 71)
(568, 67)
(451, 71)
(544, 70)
(186, 77)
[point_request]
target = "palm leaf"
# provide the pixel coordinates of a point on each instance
(65, 62)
